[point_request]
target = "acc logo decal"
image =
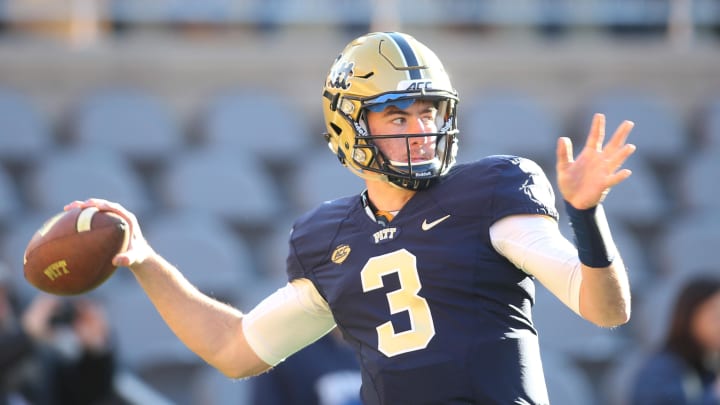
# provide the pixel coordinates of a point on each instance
(415, 84)
(340, 254)
(340, 74)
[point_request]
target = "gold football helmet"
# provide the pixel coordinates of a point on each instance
(380, 69)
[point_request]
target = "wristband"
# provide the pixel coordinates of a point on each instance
(592, 235)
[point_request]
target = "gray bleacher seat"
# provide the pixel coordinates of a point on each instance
(688, 243)
(640, 200)
(25, 133)
(697, 182)
(175, 11)
(144, 339)
(567, 383)
(131, 121)
(321, 177)
(274, 249)
(222, 182)
(212, 257)
(659, 131)
(19, 232)
(10, 199)
(709, 126)
(257, 122)
(639, 269)
(81, 173)
(506, 122)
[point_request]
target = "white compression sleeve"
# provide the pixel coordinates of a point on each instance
(534, 244)
(291, 318)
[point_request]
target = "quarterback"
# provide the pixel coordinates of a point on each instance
(430, 271)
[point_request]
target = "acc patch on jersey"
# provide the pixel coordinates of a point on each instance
(340, 254)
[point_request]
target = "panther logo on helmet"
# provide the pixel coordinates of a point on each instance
(340, 74)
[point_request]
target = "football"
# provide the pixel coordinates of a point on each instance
(72, 252)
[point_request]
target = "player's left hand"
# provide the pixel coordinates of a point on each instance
(585, 181)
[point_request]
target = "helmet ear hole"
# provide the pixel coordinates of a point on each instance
(332, 142)
(336, 128)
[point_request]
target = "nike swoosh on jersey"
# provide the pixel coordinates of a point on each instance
(426, 226)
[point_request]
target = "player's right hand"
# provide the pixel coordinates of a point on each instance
(138, 249)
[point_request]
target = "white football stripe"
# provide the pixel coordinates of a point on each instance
(49, 224)
(85, 219)
(126, 238)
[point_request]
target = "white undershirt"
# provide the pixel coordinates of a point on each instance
(296, 315)
(534, 244)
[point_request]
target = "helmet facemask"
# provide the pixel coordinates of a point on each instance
(407, 171)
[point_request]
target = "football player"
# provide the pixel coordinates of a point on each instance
(429, 272)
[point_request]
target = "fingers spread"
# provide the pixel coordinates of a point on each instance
(620, 136)
(619, 177)
(564, 150)
(618, 158)
(596, 137)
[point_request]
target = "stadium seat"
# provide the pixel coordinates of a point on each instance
(174, 11)
(507, 122)
(651, 311)
(640, 270)
(25, 133)
(688, 242)
(130, 121)
(659, 130)
(639, 201)
(20, 230)
(696, 183)
(256, 122)
(229, 184)
(10, 199)
(321, 178)
(144, 340)
(709, 124)
(80, 173)
(567, 383)
(206, 251)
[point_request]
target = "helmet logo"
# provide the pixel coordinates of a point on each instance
(340, 74)
(409, 85)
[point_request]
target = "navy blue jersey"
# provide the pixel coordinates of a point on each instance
(435, 314)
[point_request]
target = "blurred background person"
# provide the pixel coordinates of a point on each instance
(686, 368)
(54, 352)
